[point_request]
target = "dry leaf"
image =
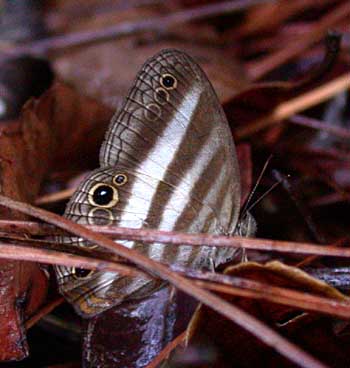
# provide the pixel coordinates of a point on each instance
(228, 345)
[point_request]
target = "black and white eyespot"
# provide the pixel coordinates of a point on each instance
(81, 273)
(120, 179)
(103, 195)
(168, 81)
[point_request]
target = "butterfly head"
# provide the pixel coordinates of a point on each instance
(246, 226)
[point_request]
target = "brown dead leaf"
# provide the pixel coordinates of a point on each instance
(78, 123)
(259, 100)
(223, 344)
(158, 318)
(107, 70)
(24, 158)
(30, 147)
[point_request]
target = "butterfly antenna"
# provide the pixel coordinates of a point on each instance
(263, 195)
(245, 209)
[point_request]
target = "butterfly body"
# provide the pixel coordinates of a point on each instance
(168, 162)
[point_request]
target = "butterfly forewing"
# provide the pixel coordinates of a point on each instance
(168, 162)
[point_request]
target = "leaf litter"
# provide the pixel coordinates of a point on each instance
(277, 296)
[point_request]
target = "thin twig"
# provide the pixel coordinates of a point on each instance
(176, 238)
(235, 314)
(327, 199)
(297, 104)
(237, 285)
(28, 227)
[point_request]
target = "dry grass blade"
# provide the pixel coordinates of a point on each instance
(176, 238)
(238, 316)
(31, 254)
(333, 129)
(55, 197)
(304, 301)
(129, 28)
(48, 308)
(28, 227)
(166, 351)
(297, 104)
(258, 69)
(236, 285)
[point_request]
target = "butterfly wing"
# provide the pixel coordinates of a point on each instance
(176, 134)
(172, 144)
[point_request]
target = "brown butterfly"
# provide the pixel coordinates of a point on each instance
(168, 162)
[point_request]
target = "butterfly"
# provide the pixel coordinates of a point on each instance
(168, 162)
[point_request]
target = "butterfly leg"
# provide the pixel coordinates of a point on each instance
(244, 256)
(211, 265)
